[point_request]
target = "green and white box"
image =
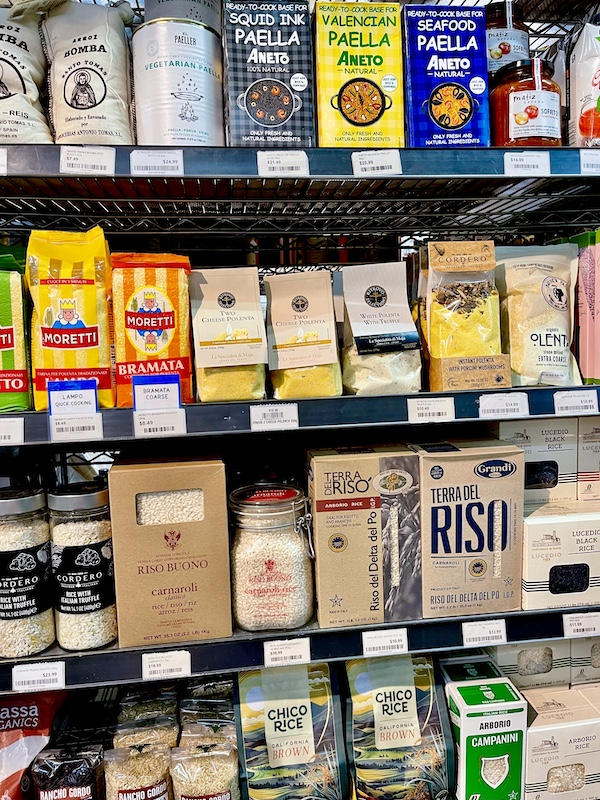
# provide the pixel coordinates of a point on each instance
(585, 659)
(489, 722)
(533, 664)
(457, 669)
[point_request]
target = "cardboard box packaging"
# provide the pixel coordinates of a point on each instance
(585, 659)
(588, 458)
(365, 508)
(561, 555)
(468, 668)
(471, 527)
(533, 664)
(172, 578)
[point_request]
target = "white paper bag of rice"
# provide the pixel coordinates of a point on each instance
(537, 287)
(22, 71)
(89, 76)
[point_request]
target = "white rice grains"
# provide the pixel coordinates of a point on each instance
(140, 772)
(206, 772)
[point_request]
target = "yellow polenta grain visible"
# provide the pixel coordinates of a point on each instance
(455, 333)
(219, 384)
(295, 383)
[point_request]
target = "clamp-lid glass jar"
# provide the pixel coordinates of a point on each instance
(271, 566)
(82, 565)
(525, 105)
(507, 34)
(26, 615)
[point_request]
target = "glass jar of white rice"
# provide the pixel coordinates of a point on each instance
(271, 566)
(26, 616)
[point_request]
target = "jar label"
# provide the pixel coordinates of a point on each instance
(84, 577)
(534, 113)
(25, 585)
(505, 45)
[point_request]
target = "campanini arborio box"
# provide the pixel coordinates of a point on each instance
(459, 669)
(533, 664)
(471, 527)
(365, 508)
(171, 551)
(588, 459)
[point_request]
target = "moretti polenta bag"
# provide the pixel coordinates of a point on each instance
(152, 320)
(68, 275)
(14, 373)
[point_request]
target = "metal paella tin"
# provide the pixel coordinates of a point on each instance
(208, 12)
(177, 75)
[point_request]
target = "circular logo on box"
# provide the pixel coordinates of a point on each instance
(555, 293)
(376, 296)
(478, 568)
(300, 304)
(338, 542)
(226, 300)
(436, 472)
(299, 82)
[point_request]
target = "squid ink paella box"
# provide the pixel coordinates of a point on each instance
(268, 74)
(446, 77)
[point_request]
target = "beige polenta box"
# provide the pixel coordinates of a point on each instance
(365, 508)
(171, 551)
(471, 527)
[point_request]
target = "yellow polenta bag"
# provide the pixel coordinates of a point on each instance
(68, 275)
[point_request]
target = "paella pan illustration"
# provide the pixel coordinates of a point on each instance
(269, 102)
(451, 106)
(361, 102)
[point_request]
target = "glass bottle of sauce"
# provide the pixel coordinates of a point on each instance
(507, 35)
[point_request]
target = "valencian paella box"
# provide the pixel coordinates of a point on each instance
(446, 77)
(268, 74)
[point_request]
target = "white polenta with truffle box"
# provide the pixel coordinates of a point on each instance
(471, 527)
(171, 551)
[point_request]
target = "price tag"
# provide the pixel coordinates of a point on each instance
(586, 624)
(87, 160)
(484, 632)
(68, 428)
(534, 162)
(38, 677)
(156, 162)
(3, 161)
(274, 417)
(376, 162)
(582, 401)
(384, 643)
(12, 431)
(159, 423)
(287, 651)
(172, 664)
(283, 164)
(589, 161)
(504, 405)
(430, 409)
(153, 393)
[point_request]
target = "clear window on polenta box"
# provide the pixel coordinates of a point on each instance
(169, 507)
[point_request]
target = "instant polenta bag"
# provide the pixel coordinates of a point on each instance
(68, 275)
(302, 336)
(14, 374)
(230, 343)
(151, 320)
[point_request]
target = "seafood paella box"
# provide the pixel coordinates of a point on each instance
(359, 74)
(446, 77)
(268, 74)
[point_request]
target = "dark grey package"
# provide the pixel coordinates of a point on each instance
(268, 74)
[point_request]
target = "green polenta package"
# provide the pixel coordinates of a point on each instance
(290, 733)
(14, 374)
(397, 730)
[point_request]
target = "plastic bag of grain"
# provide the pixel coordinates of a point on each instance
(302, 336)
(89, 73)
(217, 688)
(537, 286)
(205, 772)
(145, 705)
(14, 372)
(207, 732)
(141, 772)
(153, 730)
(193, 709)
(69, 774)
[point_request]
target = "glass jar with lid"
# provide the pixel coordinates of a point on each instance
(506, 33)
(271, 557)
(82, 565)
(525, 105)
(26, 615)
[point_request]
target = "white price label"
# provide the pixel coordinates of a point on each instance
(87, 160)
(38, 677)
(504, 405)
(76, 428)
(156, 162)
(430, 409)
(589, 161)
(3, 161)
(583, 401)
(385, 643)
(283, 164)
(484, 632)
(287, 651)
(12, 431)
(159, 423)
(156, 394)
(274, 417)
(527, 163)
(376, 162)
(172, 664)
(72, 401)
(586, 624)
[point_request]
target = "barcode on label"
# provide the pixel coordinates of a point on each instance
(381, 648)
(286, 658)
(431, 414)
(99, 167)
(158, 168)
(273, 415)
(169, 671)
(583, 630)
(377, 167)
(5, 437)
(75, 428)
(472, 639)
(284, 168)
(165, 429)
(21, 684)
(578, 407)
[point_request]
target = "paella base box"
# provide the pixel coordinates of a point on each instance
(561, 555)
(172, 577)
(365, 508)
(268, 74)
(585, 659)
(563, 745)
(533, 664)
(489, 724)
(446, 76)
(588, 459)
(471, 527)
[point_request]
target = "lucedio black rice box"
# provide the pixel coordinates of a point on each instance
(268, 74)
